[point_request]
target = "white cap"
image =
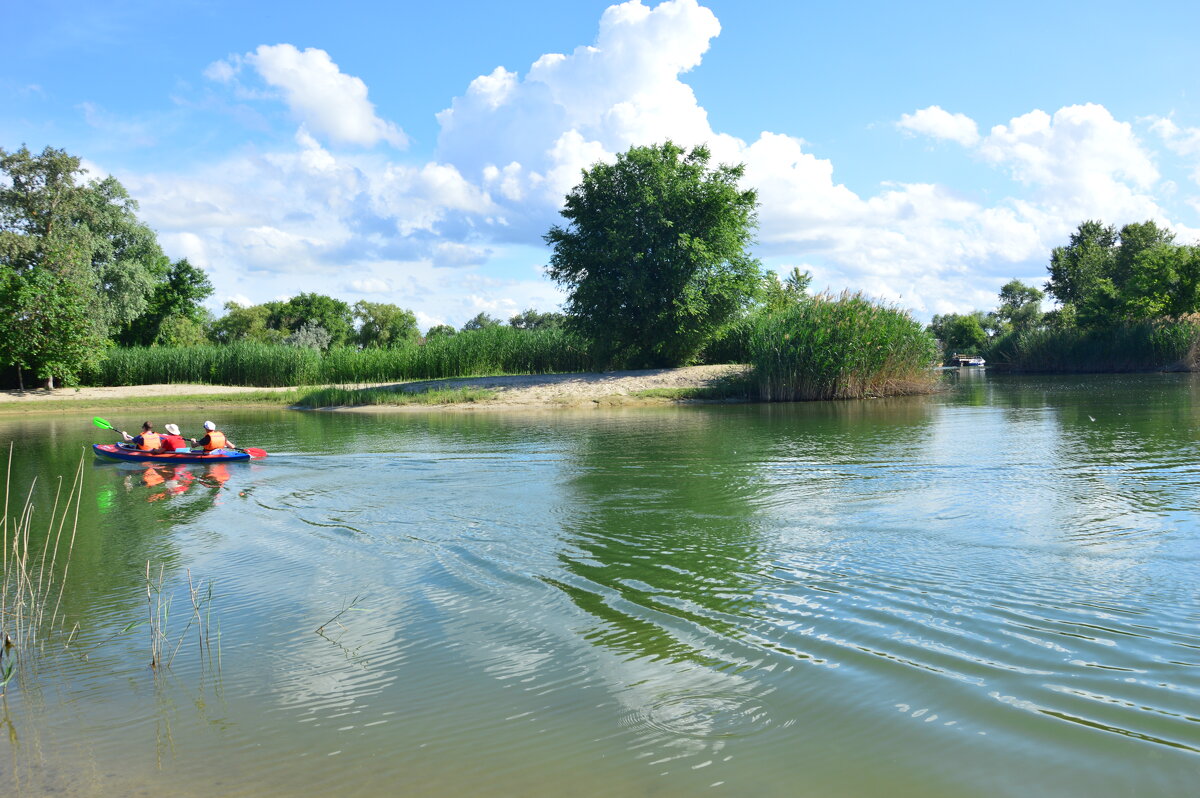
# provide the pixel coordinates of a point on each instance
(208, 425)
(171, 429)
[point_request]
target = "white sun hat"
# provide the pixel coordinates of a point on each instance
(171, 429)
(208, 425)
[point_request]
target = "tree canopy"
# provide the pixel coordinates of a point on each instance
(654, 254)
(76, 264)
(382, 325)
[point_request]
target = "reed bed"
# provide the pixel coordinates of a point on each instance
(1146, 346)
(496, 350)
(33, 576)
(840, 347)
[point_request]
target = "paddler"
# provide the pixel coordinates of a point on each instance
(213, 438)
(148, 440)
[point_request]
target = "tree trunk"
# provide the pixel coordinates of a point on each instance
(20, 379)
(50, 383)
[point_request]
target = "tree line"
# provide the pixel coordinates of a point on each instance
(1102, 280)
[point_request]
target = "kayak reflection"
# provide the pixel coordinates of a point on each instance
(165, 482)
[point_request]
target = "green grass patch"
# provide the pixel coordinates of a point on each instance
(233, 399)
(366, 397)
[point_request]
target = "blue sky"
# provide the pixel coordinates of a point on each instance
(414, 153)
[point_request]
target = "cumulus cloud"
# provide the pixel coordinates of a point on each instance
(325, 99)
(940, 124)
(513, 143)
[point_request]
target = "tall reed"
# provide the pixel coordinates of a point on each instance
(31, 584)
(840, 347)
(1144, 346)
(496, 350)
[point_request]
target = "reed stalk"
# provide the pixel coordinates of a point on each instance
(30, 583)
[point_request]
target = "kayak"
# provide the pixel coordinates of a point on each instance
(125, 452)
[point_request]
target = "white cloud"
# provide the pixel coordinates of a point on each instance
(323, 98)
(941, 124)
(512, 144)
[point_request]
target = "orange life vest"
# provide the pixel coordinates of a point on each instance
(216, 440)
(150, 440)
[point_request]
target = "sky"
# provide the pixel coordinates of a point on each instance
(416, 153)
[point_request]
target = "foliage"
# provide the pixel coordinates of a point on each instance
(532, 320)
(481, 322)
(653, 256)
(245, 324)
(840, 348)
(309, 336)
(177, 297)
(383, 324)
(1140, 346)
(960, 333)
(778, 294)
(76, 263)
(439, 331)
(1020, 307)
(496, 350)
(1106, 278)
(332, 315)
(180, 330)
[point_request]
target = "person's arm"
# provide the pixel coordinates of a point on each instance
(125, 435)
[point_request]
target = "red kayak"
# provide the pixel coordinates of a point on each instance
(126, 453)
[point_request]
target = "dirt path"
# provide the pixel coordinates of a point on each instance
(540, 390)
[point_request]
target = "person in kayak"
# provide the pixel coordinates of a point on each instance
(147, 441)
(213, 439)
(171, 441)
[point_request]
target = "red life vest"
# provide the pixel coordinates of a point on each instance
(216, 440)
(170, 442)
(150, 440)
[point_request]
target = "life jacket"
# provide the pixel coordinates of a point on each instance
(150, 440)
(216, 440)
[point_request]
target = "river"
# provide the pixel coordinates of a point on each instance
(994, 591)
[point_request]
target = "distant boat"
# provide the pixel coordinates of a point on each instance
(968, 360)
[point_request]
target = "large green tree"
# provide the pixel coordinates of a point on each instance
(69, 249)
(1096, 277)
(174, 310)
(1020, 307)
(382, 325)
(654, 254)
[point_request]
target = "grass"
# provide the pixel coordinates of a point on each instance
(364, 397)
(840, 347)
(32, 579)
(284, 398)
(732, 388)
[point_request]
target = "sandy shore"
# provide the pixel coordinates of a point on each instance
(530, 391)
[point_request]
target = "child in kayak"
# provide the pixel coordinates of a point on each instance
(171, 441)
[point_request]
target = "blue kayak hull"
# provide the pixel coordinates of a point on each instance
(114, 451)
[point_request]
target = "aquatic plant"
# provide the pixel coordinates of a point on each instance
(355, 397)
(1142, 346)
(33, 575)
(839, 347)
(490, 351)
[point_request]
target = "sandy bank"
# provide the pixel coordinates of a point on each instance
(527, 391)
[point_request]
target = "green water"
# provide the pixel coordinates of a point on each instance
(990, 592)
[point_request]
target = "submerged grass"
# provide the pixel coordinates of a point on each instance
(840, 347)
(1146, 346)
(360, 397)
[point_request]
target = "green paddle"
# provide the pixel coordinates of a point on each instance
(102, 424)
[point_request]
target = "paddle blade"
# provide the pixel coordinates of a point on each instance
(102, 424)
(255, 454)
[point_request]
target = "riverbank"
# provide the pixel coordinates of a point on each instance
(578, 390)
